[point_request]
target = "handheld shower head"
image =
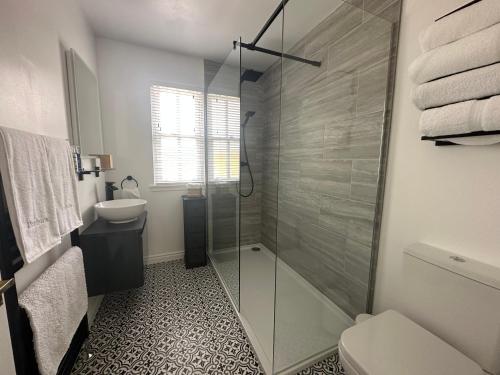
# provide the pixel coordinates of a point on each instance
(248, 115)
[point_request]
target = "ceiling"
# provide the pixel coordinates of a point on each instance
(203, 28)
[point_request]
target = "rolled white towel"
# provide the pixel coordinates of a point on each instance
(490, 116)
(474, 51)
(473, 84)
(460, 24)
(462, 118)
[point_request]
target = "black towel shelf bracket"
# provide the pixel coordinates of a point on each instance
(458, 9)
(80, 171)
(83, 172)
(447, 140)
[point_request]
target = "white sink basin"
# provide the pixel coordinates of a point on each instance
(121, 210)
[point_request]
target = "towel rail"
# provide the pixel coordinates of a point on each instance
(129, 178)
(19, 326)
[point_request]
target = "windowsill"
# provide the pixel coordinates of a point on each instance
(168, 187)
(222, 183)
(183, 186)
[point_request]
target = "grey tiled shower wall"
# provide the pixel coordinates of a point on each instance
(223, 201)
(315, 149)
(329, 143)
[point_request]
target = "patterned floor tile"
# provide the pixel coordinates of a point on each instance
(329, 366)
(180, 322)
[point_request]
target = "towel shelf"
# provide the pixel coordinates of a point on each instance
(444, 140)
(458, 9)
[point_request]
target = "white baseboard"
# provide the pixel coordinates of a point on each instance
(165, 257)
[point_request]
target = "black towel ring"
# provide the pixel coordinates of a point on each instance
(129, 178)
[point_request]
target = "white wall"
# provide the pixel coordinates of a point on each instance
(126, 73)
(33, 94)
(449, 196)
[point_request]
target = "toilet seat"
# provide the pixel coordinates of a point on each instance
(391, 344)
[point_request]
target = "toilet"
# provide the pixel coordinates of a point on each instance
(448, 323)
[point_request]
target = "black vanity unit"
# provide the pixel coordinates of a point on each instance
(112, 254)
(195, 244)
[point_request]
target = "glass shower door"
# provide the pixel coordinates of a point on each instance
(223, 165)
(260, 116)
(330, 151)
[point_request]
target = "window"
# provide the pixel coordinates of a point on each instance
(178, 135)
(223, 137)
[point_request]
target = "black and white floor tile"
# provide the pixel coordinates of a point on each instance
(329, 366)
(180, 322)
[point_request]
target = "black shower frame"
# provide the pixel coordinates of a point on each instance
(253, 46)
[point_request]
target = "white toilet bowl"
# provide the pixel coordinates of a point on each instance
(391, 344)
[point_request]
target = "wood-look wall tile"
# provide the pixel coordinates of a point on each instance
(357, 260)
(326, 177)
(360, 229)
(332, 99)
(334, 214)
(365, 180)
(366, 45)
(328, 245)
(339, 23)
(376, 7)
(357, 295)
(358, 138)
(392, 13)
(372, 89)
(296, 206)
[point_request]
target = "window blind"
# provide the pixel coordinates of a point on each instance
(178, 135)
(223, 137)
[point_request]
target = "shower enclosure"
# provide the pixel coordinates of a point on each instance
(297, 129)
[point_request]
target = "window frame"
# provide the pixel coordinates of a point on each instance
(227, 139)
(176, 185)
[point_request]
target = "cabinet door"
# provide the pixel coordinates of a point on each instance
(195, 239)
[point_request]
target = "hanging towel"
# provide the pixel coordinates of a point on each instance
(476, 50)
(64, 183)
(473, 84)
(462, 118)
(460, 24)
(29, 193)
(130, 193)
(55, 304)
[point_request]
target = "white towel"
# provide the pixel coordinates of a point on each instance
(474, 51)
(460, 24)
(55, 304)
(26, 176)
(64, 184)
(130, 193)
(462, 118)
(473, 84)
